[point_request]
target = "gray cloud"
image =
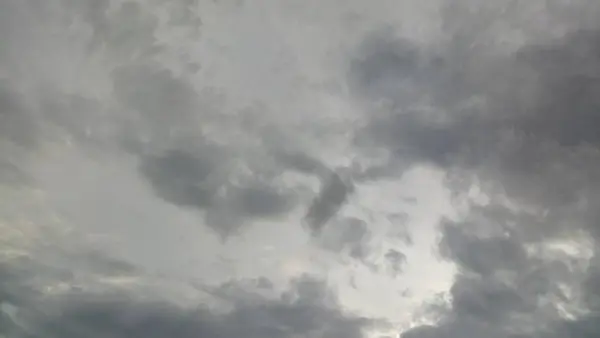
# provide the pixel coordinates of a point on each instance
(17, 121)
(332, 196)
(301, 162)
(533, 143)
(128, 32)
(94, 81)
(165, 104)
(349, 236)
(260, 201)
(306, 309)
(395, 260)
(522, 126)
(387, 67)
(481, 255)
(517, 118)
(181, 178)
(199, 179)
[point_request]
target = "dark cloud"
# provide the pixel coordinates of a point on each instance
(332, 196)
(180, 177)
(241, 205)
(566, 109)
(544, 95)
(485, 300)
(260, 201)
(522, 126)
(481, 255)
(411, 136)
(502, 289)
(387, 67)
(198, 179)
(125, 32)
(307, 308)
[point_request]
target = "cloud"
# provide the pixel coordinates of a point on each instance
(526, 138)
(165, 106)
(260, 201)
(181, 178)
(201, 179)
(306, 308)
(128, 31)
(332, 196)
(396, 261)
(503, 104)
(17, 123)
(350, 236)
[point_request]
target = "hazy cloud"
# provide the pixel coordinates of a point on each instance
(17, 122)
(260, 201)
(349, 236)
(165, 105)
(395, 260)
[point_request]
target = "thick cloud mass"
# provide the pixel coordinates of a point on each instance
(179, 169)
(306, 309)
(528, 140)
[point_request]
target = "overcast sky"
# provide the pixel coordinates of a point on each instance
(299, 168)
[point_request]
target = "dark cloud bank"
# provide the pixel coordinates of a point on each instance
(306, 309)
(525, 127)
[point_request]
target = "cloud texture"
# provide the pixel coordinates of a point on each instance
(299, 168)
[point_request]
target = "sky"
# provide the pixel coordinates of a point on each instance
(299, 169)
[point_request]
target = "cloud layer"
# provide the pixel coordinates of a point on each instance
(299, 169)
